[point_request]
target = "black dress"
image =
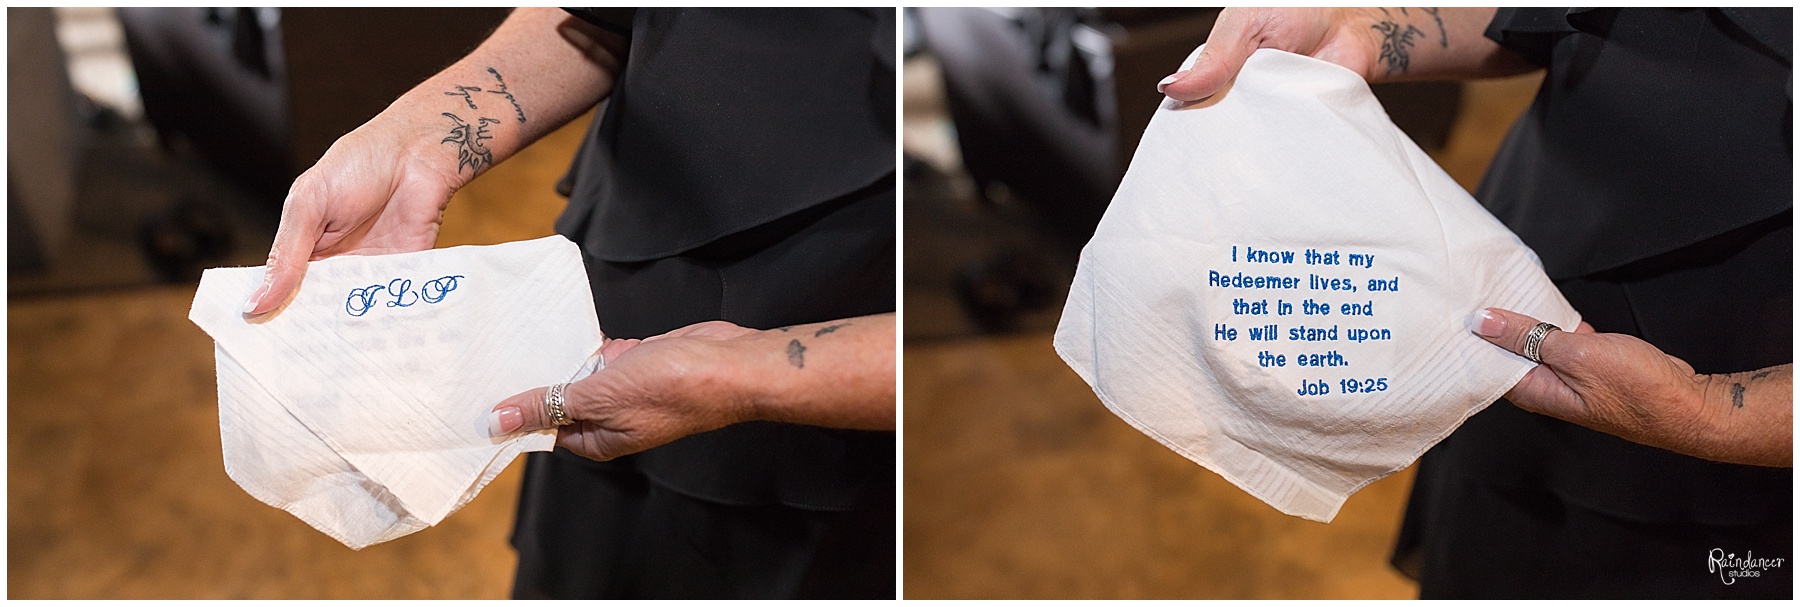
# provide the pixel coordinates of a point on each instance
(1653, 177)
(743, 170)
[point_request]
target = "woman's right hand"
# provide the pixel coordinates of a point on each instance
(1322, 33)
(376, 191)
(382, 188)
(1378, 43)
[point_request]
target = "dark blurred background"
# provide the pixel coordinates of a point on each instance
(145, 145)
(1019, 124)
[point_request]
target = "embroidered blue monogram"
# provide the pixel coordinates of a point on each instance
(434, 290)
(367, 420)
(400, 293)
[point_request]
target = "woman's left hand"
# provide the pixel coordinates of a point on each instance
(702, 377)
(651, 392)
(1622, 385)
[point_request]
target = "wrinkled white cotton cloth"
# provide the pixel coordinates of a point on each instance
(361, 405)
(1198, 311)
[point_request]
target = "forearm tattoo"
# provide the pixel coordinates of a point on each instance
(796, 354)
(500, 89)
(1396, 42)
(470, 139)
(1443, 34)
(1741, 385)
(464, 92)
(796, 351)
(472, 152)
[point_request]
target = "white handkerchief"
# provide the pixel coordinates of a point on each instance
(361, 406)
(1281, 289)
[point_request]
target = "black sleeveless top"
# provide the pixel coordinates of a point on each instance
(722, 120)
(1654, 130)
(1653, 176)
(743, 170)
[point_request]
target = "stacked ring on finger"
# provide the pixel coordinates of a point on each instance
(553, 401)
(1535, 340)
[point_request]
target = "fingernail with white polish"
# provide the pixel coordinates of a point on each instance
(256, 297)
(1170, 80)
(1486, 323)
(504, 421)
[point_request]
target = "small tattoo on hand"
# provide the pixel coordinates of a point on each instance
(830, 329)
(1737, 395)
(796, 354)
(1761, 374)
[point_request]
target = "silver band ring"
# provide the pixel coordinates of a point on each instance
(1535, 340)
(553, 401)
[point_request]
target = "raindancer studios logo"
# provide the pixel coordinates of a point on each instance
(1730, 568)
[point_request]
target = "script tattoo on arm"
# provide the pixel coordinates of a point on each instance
(500, 89)
(464, 92)
(470, 139)
(1396, 42)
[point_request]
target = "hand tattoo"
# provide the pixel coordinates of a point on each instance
(830, 329)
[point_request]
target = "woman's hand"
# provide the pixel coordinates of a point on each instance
(1622, 385)
(713, 374)
(1327, 34)
(374, 192)
(1379, 43)
(651, 392)
(383, 187)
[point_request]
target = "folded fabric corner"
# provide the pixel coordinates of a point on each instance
(360, 407)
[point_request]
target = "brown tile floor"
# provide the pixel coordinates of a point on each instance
(115, 483)
(1020, 484)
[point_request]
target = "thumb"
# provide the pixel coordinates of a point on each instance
(294, 243)
(1227, 48)
(1509, 329)
(1542, 390)
(522, 412)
